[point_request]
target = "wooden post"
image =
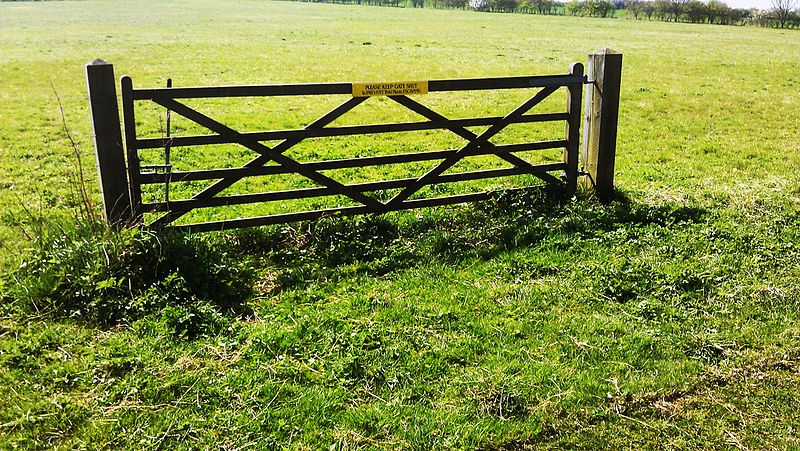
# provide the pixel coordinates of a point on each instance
(572, 132)
(108, 147)
(600, 128)
(134, 169)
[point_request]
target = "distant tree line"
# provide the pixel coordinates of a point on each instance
(551, 7)
(783, 14)
(592, 8)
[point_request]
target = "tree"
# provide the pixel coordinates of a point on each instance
(676, 8)
(456, 4)
(761, 18)
(604, 8)
(506, 6)
(661, 9)
(635, 8)
(544, 6)
(716, 11)
(695, 11)
(738, 16)
(794, 20)
(573, 8)
(479, 5)
(783, 10)
(648, 8)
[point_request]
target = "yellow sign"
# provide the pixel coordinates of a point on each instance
(390, 89)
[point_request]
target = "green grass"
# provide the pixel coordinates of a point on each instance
(667, 319)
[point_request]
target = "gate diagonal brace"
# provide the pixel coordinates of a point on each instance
(465, 133)
(473, 144)
(266, 154)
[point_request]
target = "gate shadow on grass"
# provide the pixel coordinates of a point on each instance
(192, 283)
(379, 244)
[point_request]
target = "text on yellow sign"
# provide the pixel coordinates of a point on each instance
(390, 89)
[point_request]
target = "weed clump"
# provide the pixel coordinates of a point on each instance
(106, 277)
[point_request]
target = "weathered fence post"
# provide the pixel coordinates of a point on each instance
(108, 142)
(602, 113)
(572, 130)
(132, 154)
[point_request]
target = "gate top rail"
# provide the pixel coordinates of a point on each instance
(314, 89)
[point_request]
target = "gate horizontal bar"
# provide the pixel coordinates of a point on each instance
(212, 174)
(200, 140)
(316, 214)
(309, 89)
(304, 193)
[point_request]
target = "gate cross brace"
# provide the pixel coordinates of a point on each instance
(266, 154)
(467, 134)
(276, 153)
(464, 151)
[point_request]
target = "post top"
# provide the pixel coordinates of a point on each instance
(576, 68)
(605, 51)
(98, 62)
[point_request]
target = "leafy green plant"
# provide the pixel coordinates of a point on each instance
(119, 276)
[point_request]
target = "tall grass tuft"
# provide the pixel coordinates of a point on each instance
(76, 266)
(107, 277)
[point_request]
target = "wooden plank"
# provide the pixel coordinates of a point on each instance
(260, 160)
(200, 140)
(306, 89)
(132, 153)
(447, 200)
(269, 220)
(537, 171)
(340, 211)
(602, 114)
(212, 174)
(572, 130)
(108, 147)
(168, 148)
(305, 193)
(316, 214)
(539, 81)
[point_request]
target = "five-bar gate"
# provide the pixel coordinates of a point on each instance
(121, 178)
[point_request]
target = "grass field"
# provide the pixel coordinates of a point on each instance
(667, 319)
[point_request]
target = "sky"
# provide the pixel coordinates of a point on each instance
(760, 4)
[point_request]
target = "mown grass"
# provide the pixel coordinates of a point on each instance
(666, 319)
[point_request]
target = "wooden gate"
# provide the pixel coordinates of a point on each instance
(122, 178)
